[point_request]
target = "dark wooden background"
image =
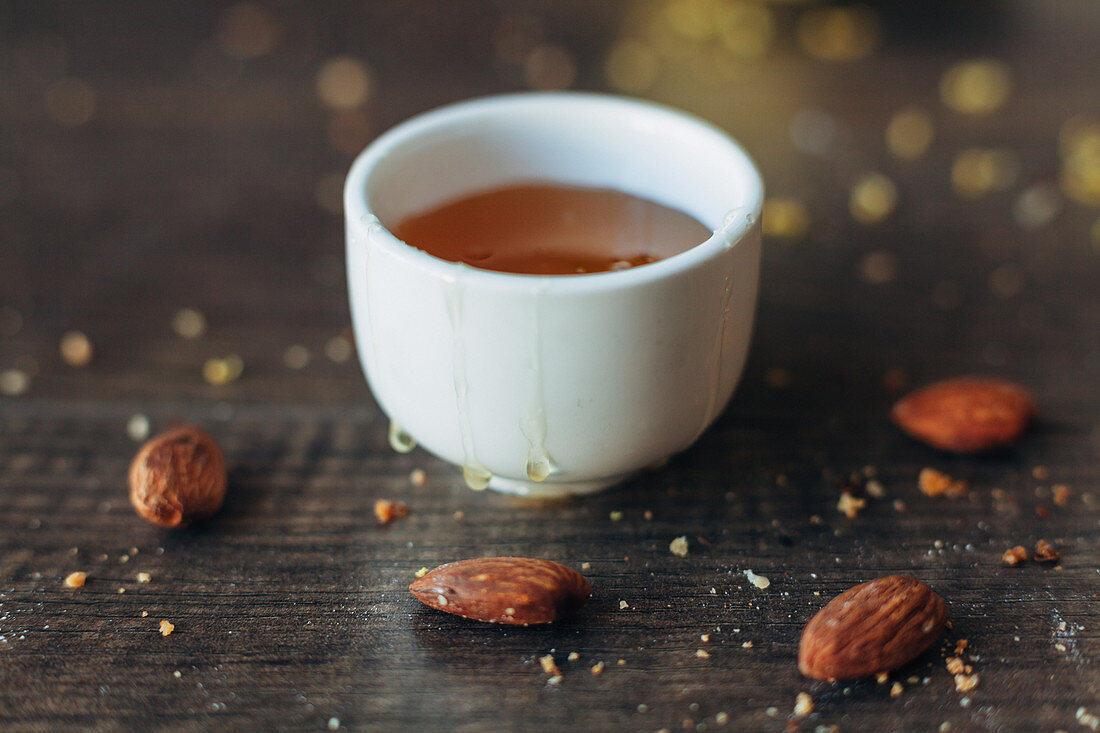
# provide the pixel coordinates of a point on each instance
(157, 156)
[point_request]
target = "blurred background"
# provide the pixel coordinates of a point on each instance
(170, 177)
(171, 247)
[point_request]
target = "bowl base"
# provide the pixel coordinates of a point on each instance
(552, 489)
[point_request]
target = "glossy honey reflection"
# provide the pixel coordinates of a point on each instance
(544, 229)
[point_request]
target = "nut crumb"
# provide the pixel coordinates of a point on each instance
(1040, 473)
(648, 514)
(586, 566)
(722, 718)
(896, 689)
(816, 519)
(459, 515)
(621, 662)
(875, 489)
(679, 546)
(966, 682)
(144, 614)
(121, 591)
(421, 572)
(1087, 719)
(75, 580)
(616, 516)
(955, 665)
(597, 668)
(1014, 556)
(144, 577)
(555, 680)
(1045, 552)
(548, 665)
(850, 506)
(623, 605)
(704, 638)
(758, 580)
(1061, 494)
(746, 645)
(882, 678)
(417, 477)
(803, 705)
(702, 653)
(166, 627)
(387, 511)
(936, 483)
(960, 646)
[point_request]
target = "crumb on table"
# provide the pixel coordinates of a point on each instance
(937, 483)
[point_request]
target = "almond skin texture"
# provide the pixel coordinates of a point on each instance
(966, 415)
(177, 477)
(870, 628)
(504, 590)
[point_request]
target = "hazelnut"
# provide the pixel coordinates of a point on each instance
(178, 476)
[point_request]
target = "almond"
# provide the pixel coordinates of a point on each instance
(966, 415)
(870, 628)
(504, 590)
(177, 477)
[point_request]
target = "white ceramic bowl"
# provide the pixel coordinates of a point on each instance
(588, 378)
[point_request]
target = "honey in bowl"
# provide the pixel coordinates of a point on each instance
(549, 229)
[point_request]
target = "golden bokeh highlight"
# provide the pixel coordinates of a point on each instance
(14, 382)
(549, 67)
(785, 218)
(1006, 281)
(189, 323)
(1037, 206)
(1079, 146)
(693, 19)
(76, 349)
(746, 29)
(247, 31)
(872, 198)
(297, 356)
(631, 66)
(976, 87)
(909, 133)
(70, 102)
(222, 370)
(978, 171)
(338, 349)
(878, 268)
(839, 34)
(343, 83)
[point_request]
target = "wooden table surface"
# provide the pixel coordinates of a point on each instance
(161, 156)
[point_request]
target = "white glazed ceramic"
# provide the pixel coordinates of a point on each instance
(592, 376)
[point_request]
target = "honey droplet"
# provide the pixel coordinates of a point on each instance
(400, 441)
(538, 467)
(476, 477)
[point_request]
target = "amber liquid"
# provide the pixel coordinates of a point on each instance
(545, 229)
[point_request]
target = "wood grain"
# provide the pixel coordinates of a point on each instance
(195, 183)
